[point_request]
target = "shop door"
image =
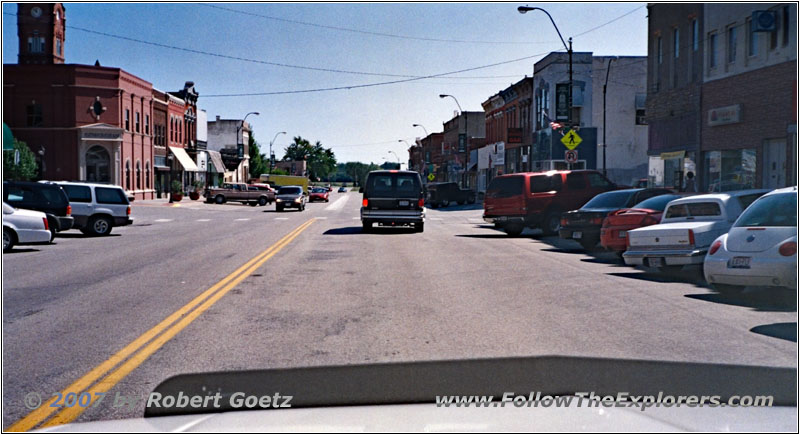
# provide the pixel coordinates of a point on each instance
(774, 164)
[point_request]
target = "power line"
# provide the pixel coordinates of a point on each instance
(607, 23)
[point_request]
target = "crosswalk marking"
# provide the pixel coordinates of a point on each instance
(163, 220)
(338, 204)
(281, 219)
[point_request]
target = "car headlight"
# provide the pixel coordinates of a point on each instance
(297, 200)
(279, 200)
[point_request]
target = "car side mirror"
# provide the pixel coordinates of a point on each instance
(360, 190)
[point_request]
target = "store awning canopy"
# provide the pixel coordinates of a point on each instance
(216, 162)
(8, 138)
(184, 159)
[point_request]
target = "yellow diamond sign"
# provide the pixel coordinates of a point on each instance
(431, 177)
(571, 140)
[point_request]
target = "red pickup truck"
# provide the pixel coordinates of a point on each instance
(537, 199)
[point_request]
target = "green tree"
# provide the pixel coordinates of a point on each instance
(259, 163)
(26, 169)
(320, 161)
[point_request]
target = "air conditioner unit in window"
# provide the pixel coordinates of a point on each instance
(765, 21)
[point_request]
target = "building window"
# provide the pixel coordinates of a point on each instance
(729, 170)
(752, 39)
(676, 42)
(138, 175)
(731, 44)
(660, 51)
(712, 50)
(147, 175)
(127, 175)
(785, 25)
(98, 164)
(137, 122)
(146, 124)
(35, 44)
(640, 105)
(695, 35)
(127, 119)
(35, 115)
(58, 46)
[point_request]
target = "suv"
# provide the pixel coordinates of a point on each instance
(47, 198)
(97, 207)
(444, 194)
(290, 197)
(537, 199)
(393, 198)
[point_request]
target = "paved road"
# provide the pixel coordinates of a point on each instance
(322, 292)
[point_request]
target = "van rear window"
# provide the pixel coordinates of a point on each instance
(545, 183)
(78, 193)
(110, 195)
(393, 185)
(504, 187)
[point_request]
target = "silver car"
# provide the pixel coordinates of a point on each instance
(97, 208)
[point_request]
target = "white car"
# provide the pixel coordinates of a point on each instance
(687, 229)
(761, 247)
(24, 227)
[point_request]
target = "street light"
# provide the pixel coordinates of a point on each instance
(423, 128)
(464, 167)
(239, 136)
(524, 9)
(605, 87)
(395, 154)
(271, 159)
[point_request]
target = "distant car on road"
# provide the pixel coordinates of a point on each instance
(238, 192)
(290, 197)
(583, 225)
(342, 189)
(318, 194)
(614, 233)
(97, 208)
(686, 231)
(392, 198)
(46, 197)
(444, 194)
(24, 227)
(761, 247)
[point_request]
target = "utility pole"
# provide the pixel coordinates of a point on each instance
(605, 88)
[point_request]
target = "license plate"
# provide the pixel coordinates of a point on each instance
(623, 234)
(656, 262)
(577, 234)
(739, 263)
(403, 203)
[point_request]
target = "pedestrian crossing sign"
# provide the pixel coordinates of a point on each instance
(571, 140)
(431, 177)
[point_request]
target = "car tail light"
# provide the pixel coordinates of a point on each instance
(563, 222)
(649, 220)
(421, 202)
(788, 249)
(691, 237)
(715, 247)
(46, 225)
(128, 211)
(69, 210)
(365, 203)
(597, 221)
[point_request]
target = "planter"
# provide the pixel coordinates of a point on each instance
(177, 197)
(194, 196)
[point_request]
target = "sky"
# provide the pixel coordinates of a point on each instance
(251, 48)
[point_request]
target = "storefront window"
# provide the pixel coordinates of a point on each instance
(729, 170)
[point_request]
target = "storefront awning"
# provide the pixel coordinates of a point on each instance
(184, 159)
(673, 155)
(8, 138)
(216, 162)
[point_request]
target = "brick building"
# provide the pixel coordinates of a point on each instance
(431, 149)
(509, 127)
(457, 133)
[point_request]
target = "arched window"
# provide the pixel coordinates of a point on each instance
(127, 175)
(147, 175)
(98, 163)
(138, 175)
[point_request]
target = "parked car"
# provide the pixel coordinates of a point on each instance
(583, 225)
(761, 247)
(24, 227)
(687, 229)
(537, 199)
(614, 233)
(391, 198)
(318, 194)
(266, 189)
(48, 198)
(290, 197)
(238, 192)
(444, 194)
(342, 189)
(97, 208)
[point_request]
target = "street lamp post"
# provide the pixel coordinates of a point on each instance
(605, 88)
(464, 163)
(423, 128)
(399, 165)
(271, 159)
(239, 133)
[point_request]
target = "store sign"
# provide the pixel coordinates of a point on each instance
(725, 115)
(514, 135)
(499, 157)
(562, 102)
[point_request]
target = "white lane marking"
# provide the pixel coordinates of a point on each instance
(357, 218)
(163, 220)
(242, 219)
(435, 219)
(203, 220)
(281, 219)
(338, 204)
(322, 217)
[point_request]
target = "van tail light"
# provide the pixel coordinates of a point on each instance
(691, 237)
(788, 249)
(715, 247)
(421, 202)
(69, 210)
(128, 211)
(46, 225)
(365, 203)
(563, 222)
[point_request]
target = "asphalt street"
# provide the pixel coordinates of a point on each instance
(322, 292)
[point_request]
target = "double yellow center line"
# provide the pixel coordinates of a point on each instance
(147, 344)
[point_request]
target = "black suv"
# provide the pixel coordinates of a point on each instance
(444, 194)
(48, 198)
(393, 198)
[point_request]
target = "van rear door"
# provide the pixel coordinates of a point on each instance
(505, 196)
(393, 191)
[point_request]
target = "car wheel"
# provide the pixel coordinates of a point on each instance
(279, 207)
(100, 226)
(252, 203)
(420, 227)
(552, 221)
(219, 199)
(445, 203)
(52, 235)
(9, 239)
(727, 289)
(262, 201)
(462, 202)
(471, 200)
(366, 226)
(513, 230)
(669, 270)
(589, 244)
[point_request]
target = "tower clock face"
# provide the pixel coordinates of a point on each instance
(36, 12)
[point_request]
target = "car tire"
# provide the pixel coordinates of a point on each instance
(445, 203)
(52, 235)
(551, 223)
(419, 227)
(279, 207)
(100, 226)
(589, 244)
(471, 200)
(366, 227)
(252, 203)
(513, 230)
(727, 289)
(9, 239)
(262, 201)
(219, 199)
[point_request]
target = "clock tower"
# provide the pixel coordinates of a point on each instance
(41, 29)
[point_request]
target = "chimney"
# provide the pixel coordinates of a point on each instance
(217, 117)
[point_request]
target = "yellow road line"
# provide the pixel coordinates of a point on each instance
(45, 410)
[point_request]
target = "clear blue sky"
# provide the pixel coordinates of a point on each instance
(359, 124)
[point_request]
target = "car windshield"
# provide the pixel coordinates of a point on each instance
(616, 199)
(318, 190)
(778, 210)
(657, 203)
(290, 190)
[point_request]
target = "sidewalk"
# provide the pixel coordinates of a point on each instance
(164, 202)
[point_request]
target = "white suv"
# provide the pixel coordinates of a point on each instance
(97, 207)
